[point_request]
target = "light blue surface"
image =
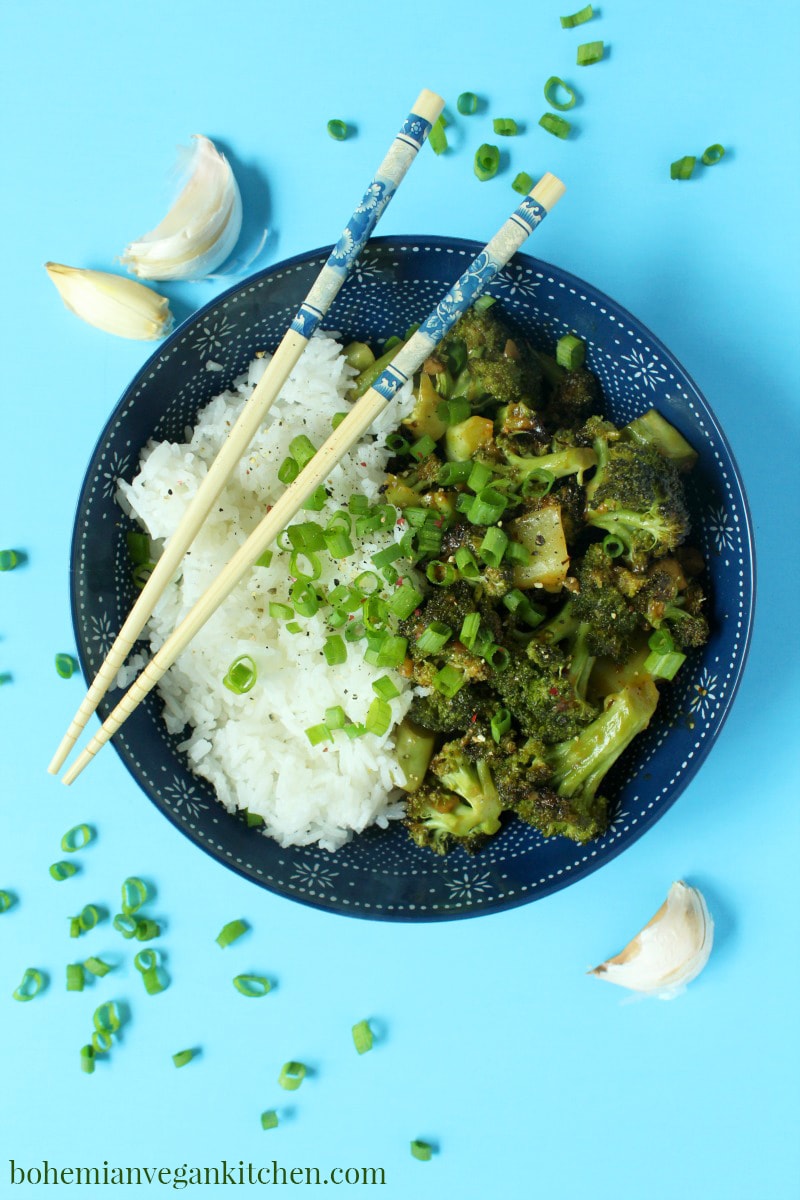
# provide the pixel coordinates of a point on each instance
(533, 1079)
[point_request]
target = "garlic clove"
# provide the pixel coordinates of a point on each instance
(669, 952)
(200, 230)
(112, 302)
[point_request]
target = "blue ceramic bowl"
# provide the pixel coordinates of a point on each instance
(398, 281)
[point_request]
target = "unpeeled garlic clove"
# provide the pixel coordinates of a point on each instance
(200, 230)
(669, 952)
(112, 302)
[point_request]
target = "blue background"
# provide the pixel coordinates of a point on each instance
(533, 1079)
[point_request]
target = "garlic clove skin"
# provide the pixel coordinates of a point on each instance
(669, 952)
(200, 230)
(112, 303)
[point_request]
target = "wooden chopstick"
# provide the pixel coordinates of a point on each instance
(409, 359)
(359, 228)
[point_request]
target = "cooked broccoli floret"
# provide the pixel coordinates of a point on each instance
(577, 394)
(572, 460)
(538, 689)
(507, 380)
(636, 495)
(449, 714)
(568, 803)
(667, 600)
(611, 616)
(462, 809)
(492, 581)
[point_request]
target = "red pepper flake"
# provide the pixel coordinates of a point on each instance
(439, 523)
(362, 464)
(553, 691)
(474, 718)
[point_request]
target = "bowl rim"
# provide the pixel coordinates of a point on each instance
(574, 876)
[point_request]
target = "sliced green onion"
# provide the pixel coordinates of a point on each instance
(467, 104)
(520, 606)
(487, 507)
(66, 665)
(501, 723)
(253, 819)
(467, 563)
(32, 983)
(77, 838)
(516, 553)
(375, 614)
(386, 557)
(481, 305)
(74, 927)
(62, 870)
(334, 650)
(682, 168)
(537, 484)
(96, 966)
(87, 1059)
(423, 447)
(437, 137)
(288, 470)
(448, 681)
(302, 450)
(613, 545)
(363, 1039)
(125, 924)
(338, 130)
(314, 569)
(134, 894)
(242, 675)
(428, 540)
(493, 546)
(551, 89)
(353, 731)
(9, 559)
(231, 932)
(106, 1018)
(664, 666)
(578, 18)
(434, 637)
(358, 504)
(75, 977)
(304, 598)
(281, 612)
(269, 1119)
(146, 930)
(7, 901)
(318, 733)
(397, 443)
(390, 653)
(442, 574)
(469, 629)
(404, 601)
(453, 412)
(264, 559)
(140, 575)
(497, 657)
(570, 352)
(555, 125)
(317, 500)
(385, 688)
(354, 632)
(379, 717)
(335, 717)
(522, 183)
(448, 474)
(252, 986)
(421, 1150)
(367, 583)
(479, 476)
(660, 642)
(337, 419)
(138, 546)
(293, 627)
(487, 161)
(291, 1076)
(183, 1057)
(101, 1042)
(88, 917)
(146, 963)
(589, 53)
(505, 127)
(306, 536)
(713, 154)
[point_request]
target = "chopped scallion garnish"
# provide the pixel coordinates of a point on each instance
(570, 352)
(66, 665)
(8, 560)
(302, 449)
(578, 18)
(75, 977)
(493, 546)
(467, 104)
(96, 966)
(385, 688)
(87, 1059)
(252, 986)
(487, 507)
(589, 53)
(555, 125)
(469, 629)
(442, 574)
(318, 733)
(505, 127)
(288, 471)
(146, 930)
(334, 650)
(231, 932)
(77, 838)
(404, 601)
(7, 901)
(522, 183)
(146, 963)
(269, 1119)
(363, 1039)
(437, 136)
(379, 717)
(448, 681)
(242, 675)
(682, 168)
(62, 870)
(487, 161)
(433, 638)
(338, 130)
(134, 894)
(713, 154)
(501, 723)
(32, 983)
(421, 1150)
(467, 564)
(291, 1076)
(183, 1057)
(613, 545)
(125, 924)
(551, 94)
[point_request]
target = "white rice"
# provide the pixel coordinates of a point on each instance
(253, 748)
